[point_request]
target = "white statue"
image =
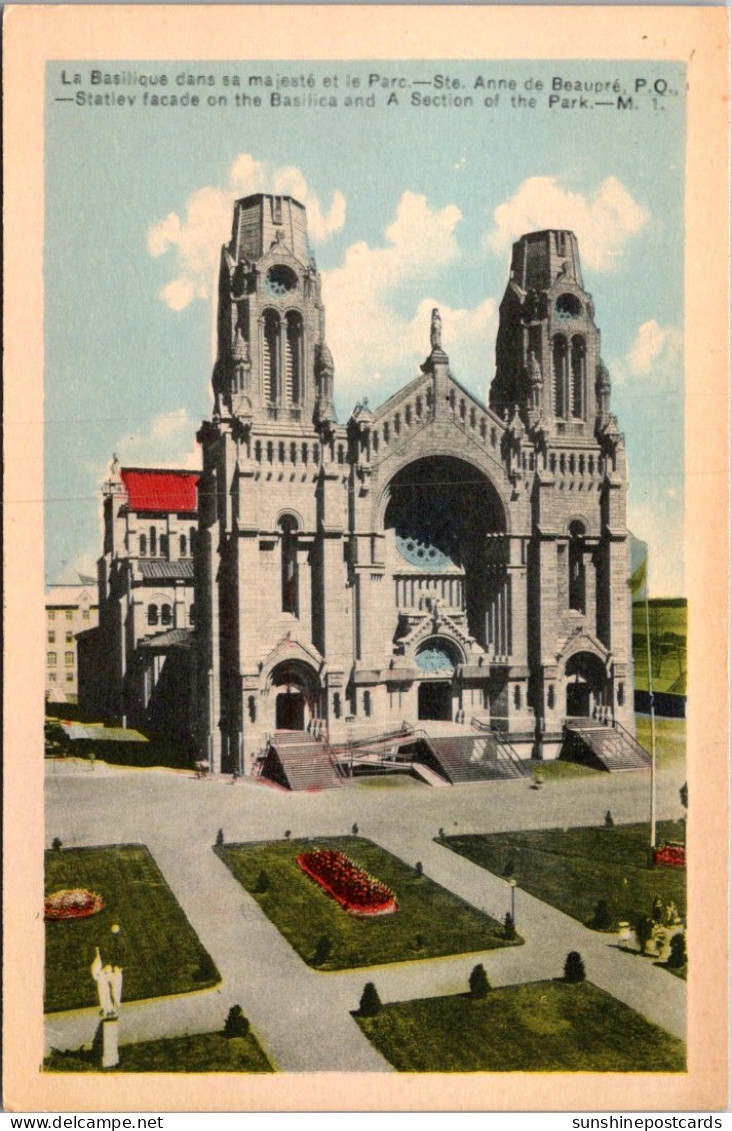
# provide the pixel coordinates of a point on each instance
(109, 985)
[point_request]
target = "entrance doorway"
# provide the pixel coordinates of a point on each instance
(290, 711)
(434, 701)
(578, 700)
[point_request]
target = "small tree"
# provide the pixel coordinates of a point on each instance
(288, 834)
(440, 833)
(262, 882)
(370, 1003)
(354, 829)
(220, 837)
(677, 957)
(684, 795)
(574, 968)
(644, 932)
(509, 927)
(601, 919)
(418, 868)
(236, 1024)
(322, 950)
(56, 844)
(478, 982)
(609, 822)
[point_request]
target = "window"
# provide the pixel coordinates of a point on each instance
(143, 545)
(289, 570)
(85, 614)
(621, 695)
(252, 708)
(69, 638)
(367, 704)
(69, 614)
(153, 541)
(51, 659)
(559, 369)
(51, 615)
(69, 677)
(577, 377)
(194, 536)
(51, 677)
(293, 359)
(337, 705)
(192, 615)
(576, 567)
(270, 357)
(182, 546)
(52, 638)
(69, 659)
(152, 614)
(166, 615)
(164, 545)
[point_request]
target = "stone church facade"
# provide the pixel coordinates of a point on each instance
(432, 560)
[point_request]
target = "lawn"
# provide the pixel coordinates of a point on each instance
(156, 947)
(431, 921)
(573, 869)
(536, 1027)
(202, 1052)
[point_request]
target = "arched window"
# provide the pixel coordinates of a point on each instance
(69, 659)
(153, 541)
(367, 704)
(559, 369)
(166, 616)
(293, 359)
(271, 357)
(192, 615)
(193, 538)
(577, 587)
(336, 705)
(182, 546)
(143, 546)
(152, 614)
(252, 707)
(288, 547)
(163, 545)
(578, 378)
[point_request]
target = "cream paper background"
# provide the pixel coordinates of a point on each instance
(696, 35)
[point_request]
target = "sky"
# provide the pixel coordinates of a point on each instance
(408, 208)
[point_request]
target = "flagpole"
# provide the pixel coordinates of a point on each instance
(653, 720)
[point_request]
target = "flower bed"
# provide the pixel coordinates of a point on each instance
(72, 903)
(347, 883)
(670, 856)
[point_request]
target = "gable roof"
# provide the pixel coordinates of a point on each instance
(156, 490)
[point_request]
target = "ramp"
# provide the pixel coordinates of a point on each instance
(300, 761)
(610, 747)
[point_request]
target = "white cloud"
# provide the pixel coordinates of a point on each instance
(603, 221)
(195, 238)
(169, 441)
(369, 337)
(655, 348)
(660, 523)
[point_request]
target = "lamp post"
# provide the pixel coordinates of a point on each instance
(512, 885)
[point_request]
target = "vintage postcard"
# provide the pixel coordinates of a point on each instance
(366, 560)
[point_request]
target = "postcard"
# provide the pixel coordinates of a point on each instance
(366, 566)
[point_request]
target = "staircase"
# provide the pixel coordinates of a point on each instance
(300, 761)
(604, 747)
(484, 757)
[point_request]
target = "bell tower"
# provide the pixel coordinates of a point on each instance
(272, 361)
(548, 347)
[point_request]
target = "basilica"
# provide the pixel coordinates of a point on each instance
(432, 566)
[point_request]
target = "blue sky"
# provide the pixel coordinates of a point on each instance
(409, 208)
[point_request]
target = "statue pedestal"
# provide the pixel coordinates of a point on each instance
(110, 1042)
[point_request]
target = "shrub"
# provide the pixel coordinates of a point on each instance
(220, 837)
(478, 982)
(440, 833)
(370, 1003)
(56, 844)
(322, 950)
(418, 868)
(262, 882)
(601, 919)
(677, 954)
(236, 1024)
(609, 822)
(574, 968)
(206, 971)
(509, 927)
(354, 829)
(288, 834)
(644, 932)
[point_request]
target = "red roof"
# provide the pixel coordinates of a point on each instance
(162, 491)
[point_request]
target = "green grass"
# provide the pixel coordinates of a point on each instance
(555, 770)
(573, 869)
(157, 948)
(303, 912)
(202, 1052)
(536, 1027)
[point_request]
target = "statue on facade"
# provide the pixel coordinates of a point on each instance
(436, 330)
(109, 985)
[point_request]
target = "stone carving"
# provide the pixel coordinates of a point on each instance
(109, 985)
(436, 330)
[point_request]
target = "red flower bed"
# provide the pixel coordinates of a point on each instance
(72, 903)
(670, 856)
(347, 883)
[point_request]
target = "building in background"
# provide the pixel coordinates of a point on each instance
(70, 609)
(136, 667)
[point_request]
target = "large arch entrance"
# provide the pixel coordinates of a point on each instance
(586, 683)
(445, 529)
(297, 695)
